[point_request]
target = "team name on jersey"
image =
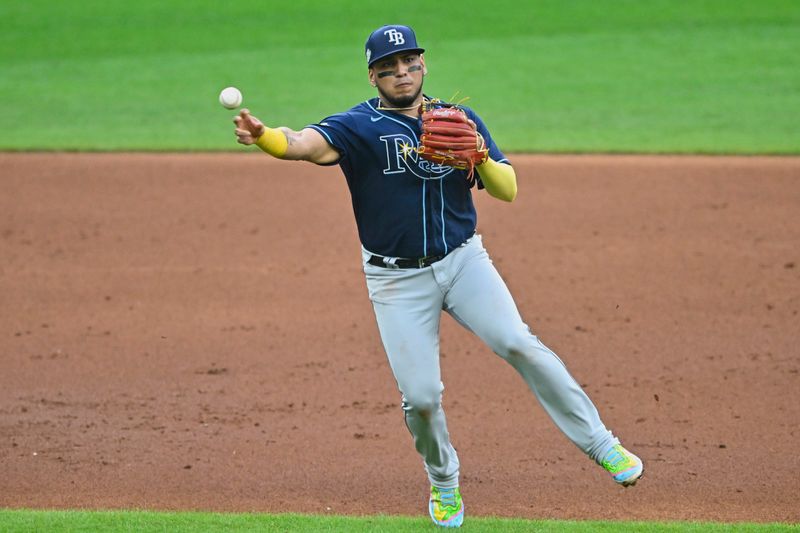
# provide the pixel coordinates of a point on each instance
(401, 156)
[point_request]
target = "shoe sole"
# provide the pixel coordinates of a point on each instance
(632, 482)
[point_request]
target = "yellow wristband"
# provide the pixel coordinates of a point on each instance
(274, 142)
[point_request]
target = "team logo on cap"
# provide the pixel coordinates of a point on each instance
(395, 37)
(369, 54)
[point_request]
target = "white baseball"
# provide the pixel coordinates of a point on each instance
(230, 97)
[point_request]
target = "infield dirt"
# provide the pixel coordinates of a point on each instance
(193, 332)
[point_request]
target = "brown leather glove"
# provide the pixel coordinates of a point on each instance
(450, 138)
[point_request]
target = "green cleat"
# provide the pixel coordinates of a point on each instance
(623, 466)
(446, 507)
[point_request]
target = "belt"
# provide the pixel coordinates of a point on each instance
(400, 262)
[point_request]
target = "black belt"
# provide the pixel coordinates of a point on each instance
(400, 262)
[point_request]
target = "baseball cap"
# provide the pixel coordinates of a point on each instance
(388, 40)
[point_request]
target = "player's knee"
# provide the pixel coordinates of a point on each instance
(517, 346)
(424, 405)
(422, 400)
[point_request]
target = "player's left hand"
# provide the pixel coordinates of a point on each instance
(451, 138)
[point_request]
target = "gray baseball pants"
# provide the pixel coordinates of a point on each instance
(408, 305)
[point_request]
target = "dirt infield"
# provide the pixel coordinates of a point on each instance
(193, 332)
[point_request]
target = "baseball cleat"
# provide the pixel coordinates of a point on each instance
(446, 507)
(624, 467)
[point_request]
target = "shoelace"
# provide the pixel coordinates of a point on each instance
(616, 459)
(447, 497)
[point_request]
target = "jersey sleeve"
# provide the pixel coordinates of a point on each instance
(494, 151)
(336, 129)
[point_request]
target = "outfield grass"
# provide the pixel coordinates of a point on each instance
(717, 76)
(18, 521)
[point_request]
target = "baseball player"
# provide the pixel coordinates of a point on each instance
(421, 253)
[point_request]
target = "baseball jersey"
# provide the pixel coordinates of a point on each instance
(404, 205)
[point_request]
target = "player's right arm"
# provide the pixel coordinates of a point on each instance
(284, 143)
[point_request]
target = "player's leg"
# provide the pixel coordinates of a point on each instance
(479, 299)
(407, 306)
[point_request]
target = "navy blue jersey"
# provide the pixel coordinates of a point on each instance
(404, 205)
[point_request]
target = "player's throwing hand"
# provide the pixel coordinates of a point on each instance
(248, 127)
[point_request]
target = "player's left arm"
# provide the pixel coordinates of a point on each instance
(499, 179)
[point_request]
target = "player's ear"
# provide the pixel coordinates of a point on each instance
(424, 68)
(371, 74)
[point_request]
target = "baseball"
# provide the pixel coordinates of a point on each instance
(230, 98)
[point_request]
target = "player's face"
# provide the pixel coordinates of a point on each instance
(399, 78)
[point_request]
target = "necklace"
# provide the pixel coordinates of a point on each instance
(381, 107)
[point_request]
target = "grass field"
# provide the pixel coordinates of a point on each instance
(716, 76)
(145, 522)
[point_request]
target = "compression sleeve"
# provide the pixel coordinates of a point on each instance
(499, 179)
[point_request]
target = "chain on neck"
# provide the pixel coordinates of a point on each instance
(381, 107)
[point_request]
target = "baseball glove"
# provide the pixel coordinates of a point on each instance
(450, 138)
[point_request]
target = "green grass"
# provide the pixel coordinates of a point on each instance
(18, 521)
(554, 76)
(549, 75)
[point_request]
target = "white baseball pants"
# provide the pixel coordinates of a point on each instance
(408, 305)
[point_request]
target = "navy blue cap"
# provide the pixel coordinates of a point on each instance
(388, 40)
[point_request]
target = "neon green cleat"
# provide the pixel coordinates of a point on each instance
(625, 467)
(446, 507)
